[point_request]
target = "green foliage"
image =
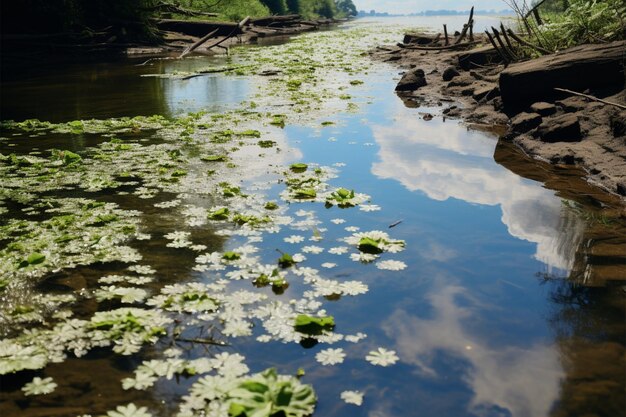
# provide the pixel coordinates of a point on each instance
(574, 22)
(342, 197)
(369, 245)
(267, 395)
(275, 6)
(313, 326)
(298, 167)
(286, 260)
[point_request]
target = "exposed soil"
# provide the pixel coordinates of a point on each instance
(548, 125)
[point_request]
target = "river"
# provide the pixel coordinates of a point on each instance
(482, 290)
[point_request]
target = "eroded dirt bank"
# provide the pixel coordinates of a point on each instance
(554, 126)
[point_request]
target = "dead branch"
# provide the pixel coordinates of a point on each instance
(441, 48)
(466, 26)
(202, 40)
(599, 100)
(528, 44)
(504, 57)
(236, 29)
(510, 53)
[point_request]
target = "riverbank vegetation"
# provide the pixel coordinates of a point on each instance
(558, 24)
(132, 20)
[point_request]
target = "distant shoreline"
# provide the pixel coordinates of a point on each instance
(426, 13)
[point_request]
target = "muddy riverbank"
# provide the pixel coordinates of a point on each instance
(556, 127)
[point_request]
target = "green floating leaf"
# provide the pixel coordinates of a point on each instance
(214, 158)
(251, 133)
(278, 120)
(267, 395)
(286, 260)
(231, 256)
(305, 193)
(313, 325)
(266, 143)
(219, 214)
(298, 167)
(369, 245)
(271, 205)
(32, 259)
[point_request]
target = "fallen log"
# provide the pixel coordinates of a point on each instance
(592, 66)
(202, 40)
(442, 48)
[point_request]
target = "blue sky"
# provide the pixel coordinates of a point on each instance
(409, 6)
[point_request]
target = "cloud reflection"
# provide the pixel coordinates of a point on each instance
(445, 160)
(523, 380)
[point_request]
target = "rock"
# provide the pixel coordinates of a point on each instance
(543, 108)
(428, 117)
(480, 56)
(596, 67)
(412, 80)
(564, 128)
(450, 73)
(524, 122)
(617, 122)
(486, 93)
(572, 104)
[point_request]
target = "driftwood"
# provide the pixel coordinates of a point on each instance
(442, 48)
(208, 36)
(596, 67)
(504, 57)
(506, 37)
(202, 40)
(470, 22)
(445, 33)
(599, 100)
(507, 51)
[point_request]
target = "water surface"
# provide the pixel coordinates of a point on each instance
(486, 319)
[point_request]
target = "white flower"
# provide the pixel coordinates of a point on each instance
(382, 357)
(298, 257)
(352, 229)
(339, 250)
(391, 265)
(294, 239)
(129, 410)
(303, 213)
(355, 338)
(328, 265)
(352, 397)
(338, 221)
(39, 386)
(330, 356)
(369, 207)
(362, 257)
(313, 249)
(353, 288)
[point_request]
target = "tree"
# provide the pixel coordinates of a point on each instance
(346, 7)
(276, 6)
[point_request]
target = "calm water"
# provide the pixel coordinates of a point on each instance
(502, 310)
